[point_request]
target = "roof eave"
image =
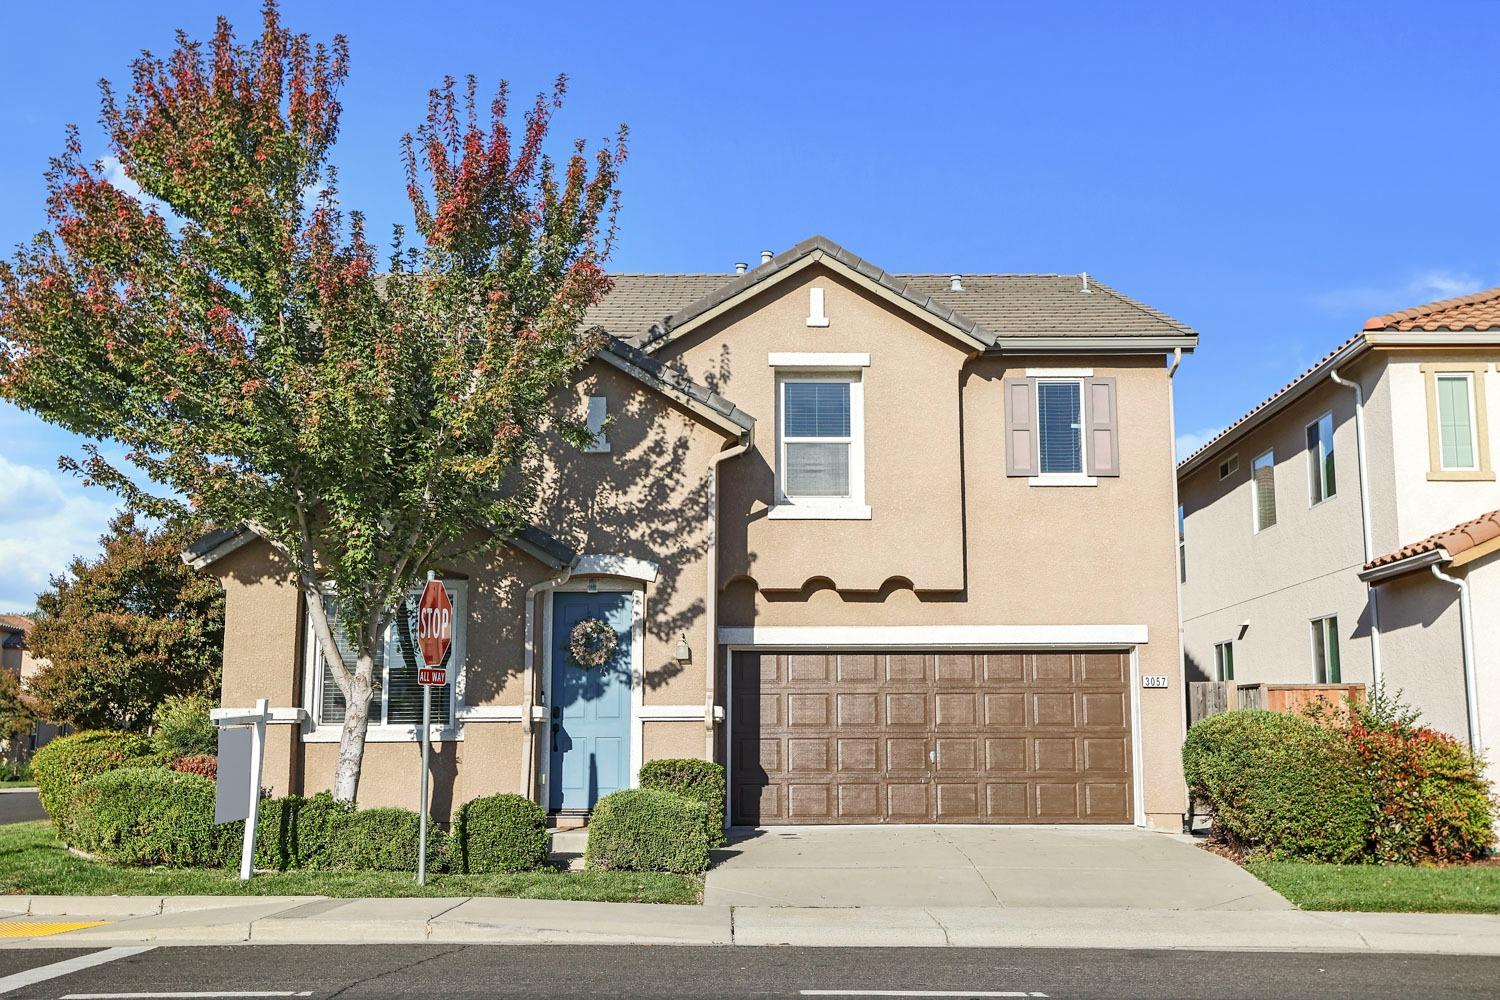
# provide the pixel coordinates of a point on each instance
(1433, 338)
(1275, 405)
(1093, 344)
(1385, 571)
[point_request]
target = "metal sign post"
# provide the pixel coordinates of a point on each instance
(242, 752)
(434, 638)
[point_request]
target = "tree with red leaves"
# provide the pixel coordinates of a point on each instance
(232, 332)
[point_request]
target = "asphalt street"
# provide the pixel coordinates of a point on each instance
(617, 971)
(20, 807)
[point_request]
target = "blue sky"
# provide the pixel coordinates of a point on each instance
(1270, 174)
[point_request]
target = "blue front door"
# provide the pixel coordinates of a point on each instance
(590, 705)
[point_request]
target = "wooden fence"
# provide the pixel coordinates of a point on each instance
(1207, 698)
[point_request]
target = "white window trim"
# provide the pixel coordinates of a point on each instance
(1219, 659)
(1061, 376)
(1318, 633)
(1437, 384)
(317, 731)
(1317, 462)
(853, 506)
(1255, 493)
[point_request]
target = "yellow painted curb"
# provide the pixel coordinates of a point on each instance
(43, 928)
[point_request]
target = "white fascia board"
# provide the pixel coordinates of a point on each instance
(1094, 345)
(946, 636)
(1403, 566)
(1435, 339)
(794, 359)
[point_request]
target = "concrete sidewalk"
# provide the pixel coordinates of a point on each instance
(194, 920)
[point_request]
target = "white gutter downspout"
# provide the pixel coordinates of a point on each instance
(711, 607)
(528, 674)
(1377, 675)
(1179, 551)
(1466, 631)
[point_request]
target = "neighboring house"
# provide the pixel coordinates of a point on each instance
(16, 656)
(1384, 441)
(916, 571)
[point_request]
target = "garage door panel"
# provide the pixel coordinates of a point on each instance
(948, 737)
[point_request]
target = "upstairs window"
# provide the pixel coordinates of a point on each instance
(1059, 406)
(1263, 490)
(1320, 471)
(816, 438)
(1455, 416)
(1224, 661)
(1325, 642)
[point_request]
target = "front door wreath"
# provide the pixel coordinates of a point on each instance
(592, 643)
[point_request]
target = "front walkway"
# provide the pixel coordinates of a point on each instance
(1022, 867)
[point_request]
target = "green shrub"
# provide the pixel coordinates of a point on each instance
(500, 833)
(648, 830)
(181, 727)
(700, 780)
(15, 770)
(1281, 787)
(382, 840)
(66, 762)
(1459, 811)
(152, 816)
(314, 823)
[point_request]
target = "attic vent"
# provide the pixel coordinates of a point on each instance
(739, 267)
(955, 283)
(765, 256)
(1085, 277)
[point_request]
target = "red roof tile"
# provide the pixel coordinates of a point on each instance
(1459, 538)
(1480, 311)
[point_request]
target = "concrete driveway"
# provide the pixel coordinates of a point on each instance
(979, 866)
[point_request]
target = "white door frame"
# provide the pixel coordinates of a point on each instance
(1137, 780)
(637, 590)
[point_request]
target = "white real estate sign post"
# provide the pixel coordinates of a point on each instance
(242, 752)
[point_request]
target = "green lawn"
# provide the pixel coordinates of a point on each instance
(1383, 888)
(33, 861)
(18, 783)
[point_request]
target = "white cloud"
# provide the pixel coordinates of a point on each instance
(114, 172)
(1426, 286)
(1190, 441)
(45, 519)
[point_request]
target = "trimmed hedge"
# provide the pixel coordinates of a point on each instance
(382, 840)
(500, 833)
(700, 780)
(152, 816)
(67, 762)
(648, 830)
(1281, 787)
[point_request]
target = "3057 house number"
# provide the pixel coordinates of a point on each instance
(1153, 680)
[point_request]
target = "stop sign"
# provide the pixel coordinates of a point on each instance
(434, 623)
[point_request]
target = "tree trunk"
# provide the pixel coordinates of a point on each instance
(352, 741)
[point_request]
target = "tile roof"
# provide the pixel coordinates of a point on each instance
(1480, 311)
(17, 623)
(1454, 541)
(643, 307)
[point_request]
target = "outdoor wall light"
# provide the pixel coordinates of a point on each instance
(684, 652)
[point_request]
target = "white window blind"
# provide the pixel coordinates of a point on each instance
(1060, 426)
(1263, 490)
(816, 438)
(331, 711)
(1455, 421)
(397, 700)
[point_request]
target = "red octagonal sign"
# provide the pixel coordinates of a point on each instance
(434, 631)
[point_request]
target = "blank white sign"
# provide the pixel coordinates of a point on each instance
(232, 796)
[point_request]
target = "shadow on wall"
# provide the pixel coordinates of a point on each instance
(641, 499)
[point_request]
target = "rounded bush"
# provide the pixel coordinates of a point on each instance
(1280, 786)
(152, 816)
(64, 764)
(648, 830)
(700, 780)
(1459, 809)
(181, 727)
(382, 840)
(500, 833)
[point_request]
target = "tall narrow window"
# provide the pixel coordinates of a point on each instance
(332, 706)
(1455, 413)
(1320, 472)
(1325, 640)
(1059, 408)
(1224, 661)
(1263, 490)
(816, 438)
(597, 416)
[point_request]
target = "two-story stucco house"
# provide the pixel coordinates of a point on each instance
(893, 548)
(1304, 521)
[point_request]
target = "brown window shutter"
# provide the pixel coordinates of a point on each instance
(1020, 427)
(1103, 424)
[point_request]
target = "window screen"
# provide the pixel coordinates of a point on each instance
(815, 438)
(1263, 488)
(1060, 423)
(1455, 426)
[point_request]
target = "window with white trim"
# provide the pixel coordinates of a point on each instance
(820, 446)
(1320, 471)
(397, 698)
(1059, 408)
(1263, 490)
(1224, 661)
(1455, 414)
(1325, 643)
(598, 415)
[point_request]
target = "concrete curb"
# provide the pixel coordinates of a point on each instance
(199, 920)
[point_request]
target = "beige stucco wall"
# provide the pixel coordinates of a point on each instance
(1279, 579)
(1422, 651)
(671, 739)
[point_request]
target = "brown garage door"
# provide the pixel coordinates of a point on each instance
(962, 737)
